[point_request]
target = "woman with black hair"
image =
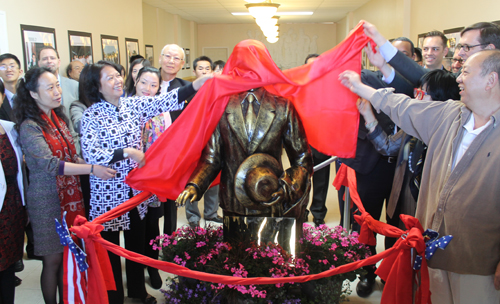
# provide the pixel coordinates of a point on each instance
(53, 163)
(133, 70)
(111, 136)
(439, 85)
(148, 84)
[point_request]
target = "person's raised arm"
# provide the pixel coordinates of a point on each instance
(352, 81)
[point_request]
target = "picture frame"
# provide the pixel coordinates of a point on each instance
(453, 36)
(110, 48)
(420, 40)
(149, 53)
(80, 47)
(34, 39)
(131, 49)
(187, 60)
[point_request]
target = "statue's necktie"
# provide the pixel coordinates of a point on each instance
(250, 117)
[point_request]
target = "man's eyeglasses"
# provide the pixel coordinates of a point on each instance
(6, 67)
(419, 93)
(459, 60)
(467, 47)
(168, 58)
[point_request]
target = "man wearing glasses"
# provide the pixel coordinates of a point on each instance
(474, 38)
(10, 71)
(171, 61)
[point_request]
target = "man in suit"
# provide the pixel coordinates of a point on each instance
(49, 58)
(255, 122)
(10, 71)
(474, 38)
(374, 172)
(203, 66)
(171, 62)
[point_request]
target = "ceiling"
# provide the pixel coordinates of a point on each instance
(219, 11)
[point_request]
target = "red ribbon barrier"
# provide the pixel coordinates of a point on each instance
(396, 269)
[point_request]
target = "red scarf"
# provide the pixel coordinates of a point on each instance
(327, 109)
(68, 186)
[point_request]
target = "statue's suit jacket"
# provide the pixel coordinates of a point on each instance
(277, 126)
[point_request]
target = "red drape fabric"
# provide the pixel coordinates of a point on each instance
(327, 109)
(330, 118)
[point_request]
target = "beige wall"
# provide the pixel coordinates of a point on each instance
(447, 15)
(409, 18)
(161, 28)
(95, 16)
(295, 43)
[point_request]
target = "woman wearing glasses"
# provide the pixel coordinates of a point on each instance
(439, 85)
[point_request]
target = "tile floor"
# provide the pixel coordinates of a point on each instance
(29, 291)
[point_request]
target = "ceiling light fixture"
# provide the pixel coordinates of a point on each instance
(262, 10)
(281, 13)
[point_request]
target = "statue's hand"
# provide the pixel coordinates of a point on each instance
(187, 196)
(276, 198)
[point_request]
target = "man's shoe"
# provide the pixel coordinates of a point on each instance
(365, 287)
(17, 281)
(149, 299)
(194, 224)
(19, 266)
(217, 219)
(318, 222)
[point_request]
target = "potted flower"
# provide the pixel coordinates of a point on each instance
(201, 249)
(325, 248)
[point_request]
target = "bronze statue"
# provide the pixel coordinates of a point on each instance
(256, 122)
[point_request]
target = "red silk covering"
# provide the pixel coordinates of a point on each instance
(397, 268)
(327, 110)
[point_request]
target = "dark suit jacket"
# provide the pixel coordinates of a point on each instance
(277, 125)
(409, 69)
(177, 83)
(366, 154)
(6, 110)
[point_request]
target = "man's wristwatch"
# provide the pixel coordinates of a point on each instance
(371, 124)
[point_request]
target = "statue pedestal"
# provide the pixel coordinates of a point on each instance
(261, 230)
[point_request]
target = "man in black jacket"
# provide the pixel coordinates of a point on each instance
(171, 61)
(10, 72)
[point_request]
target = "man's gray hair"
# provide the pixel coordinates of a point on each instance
(491, 63)
(174, 45)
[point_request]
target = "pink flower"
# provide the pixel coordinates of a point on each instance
(200, 244)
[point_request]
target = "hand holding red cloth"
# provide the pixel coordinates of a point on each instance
(327, 110)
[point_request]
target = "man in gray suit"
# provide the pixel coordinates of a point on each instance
(49, 58)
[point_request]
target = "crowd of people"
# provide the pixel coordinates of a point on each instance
(427, 146)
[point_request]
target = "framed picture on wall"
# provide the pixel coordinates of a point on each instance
(420, 41)
(110, 48)
(187, 60)
(132, 48)
(34, 39)
(150, 54)
(80, 47)
(453, 36)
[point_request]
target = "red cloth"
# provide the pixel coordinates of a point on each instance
(327, 109)
(397, 268)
